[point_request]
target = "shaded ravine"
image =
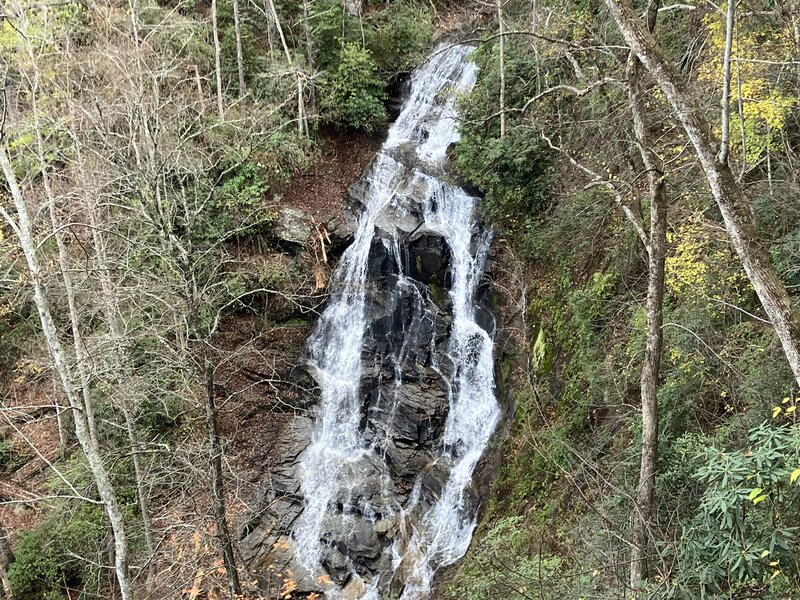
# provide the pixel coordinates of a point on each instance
(378, 497)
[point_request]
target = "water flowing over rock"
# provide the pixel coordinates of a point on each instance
(373, 493)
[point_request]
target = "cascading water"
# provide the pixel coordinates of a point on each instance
(390, 344)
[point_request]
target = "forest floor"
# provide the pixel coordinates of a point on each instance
(321, 191)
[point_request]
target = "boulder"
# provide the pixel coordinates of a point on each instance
(293, 226)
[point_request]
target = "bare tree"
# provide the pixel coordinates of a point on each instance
(307, 30)
(502, 49)
(653, 238)
(76, 389)
(217, 60)
(217, 478)
(136, 187)
(237, 27)
(6, 558)
(21, 224)
(656, 254)
(124, 385)
(302, 117)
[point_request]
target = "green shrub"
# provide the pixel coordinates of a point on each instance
(507, 564)
(743, 535)
(786, 255)
(353, 95)
(591, 306)
(51, 557)
(513, 171)
(399, 36)
(239, 204)
(332, 29)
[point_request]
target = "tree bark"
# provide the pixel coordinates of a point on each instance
(656, 253)
(239, 56)
(270, 41)
(200, 349)
(273, 11)
(302, 123)
(217, 482)
(6, 558)
(726, 85)
(102, 480)
(729, 196)
(502, 49)
(217, 60)
(309, 56)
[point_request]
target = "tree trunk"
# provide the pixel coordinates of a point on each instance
(502, 48)
(656, 255)
(217, 60)
(196, 345)
(312, 105)
(239, 56)
(82, 362)
(278, 26)
(217, 482)
(733, 204)
(302, 123)
(726, 85)
(6, 558)
(111, 309)
(270, 41)
(201, 99)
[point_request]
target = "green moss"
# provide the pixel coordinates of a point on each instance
(438, 294)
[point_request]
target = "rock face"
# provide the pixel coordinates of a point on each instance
(405, 391)
(370, 492)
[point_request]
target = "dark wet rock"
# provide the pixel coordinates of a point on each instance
(434, 477)
(407, 461)
(338, 235)
(410, 413)
(304, 387)
(380, 261)
(429, 260)
(353, 536)
(485, 320)
(337, 564)
(405, 399)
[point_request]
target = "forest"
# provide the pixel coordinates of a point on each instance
(185, 190)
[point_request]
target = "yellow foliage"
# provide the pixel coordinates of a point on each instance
(764, 106)
(27, 369)
(786, 408)
(700, 267)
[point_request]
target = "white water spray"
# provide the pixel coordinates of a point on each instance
(339, 460)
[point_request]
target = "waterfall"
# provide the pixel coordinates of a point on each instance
(390, 344)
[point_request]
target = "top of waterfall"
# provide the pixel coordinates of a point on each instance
(428, 120)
